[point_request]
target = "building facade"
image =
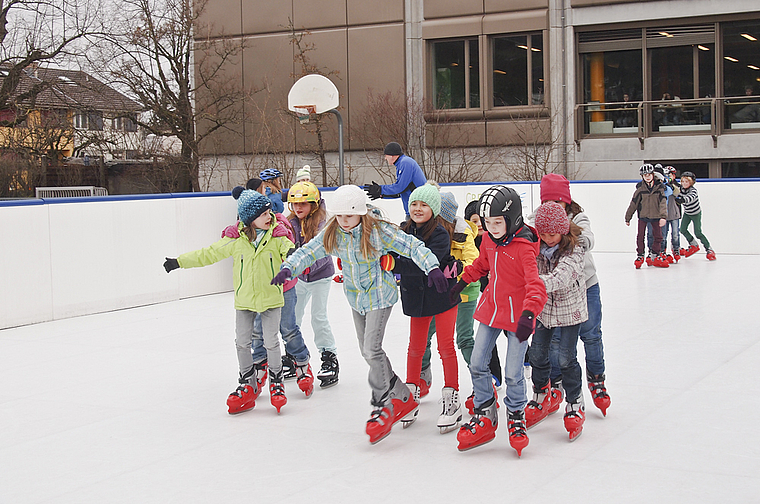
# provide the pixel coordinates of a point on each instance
(600, 85)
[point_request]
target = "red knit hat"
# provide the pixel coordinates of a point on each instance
(555, 187)
(551, 218)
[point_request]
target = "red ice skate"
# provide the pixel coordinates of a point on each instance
(556, 394)
(518, 437)
(379, 424)
(649, 260)
(638, 262)
(469, 402)
(538, 408)
(277, 390)
(426, 380)
(575, 415)
(305, 379)
(693, 249)
(242, 399)
(406, 410)
(660, 261)
(711, 255)
(676, 256)
(670, 259)
(599, 393)
(481, 428)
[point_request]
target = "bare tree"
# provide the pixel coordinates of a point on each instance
(164, 56)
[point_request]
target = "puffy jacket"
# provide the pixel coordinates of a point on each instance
(254, 267)
(565, 287)
(276, 198)
(322, 268)
(649, 201)
(417, 299)
(366, 285)
(514, 284)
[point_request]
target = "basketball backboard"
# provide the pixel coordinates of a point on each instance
(314, 92)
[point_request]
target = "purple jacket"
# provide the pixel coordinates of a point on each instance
(322, 268)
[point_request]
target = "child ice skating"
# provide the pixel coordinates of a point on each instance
(692, 214)
(272, 185)
(360, 240)
(423, 304)
(255, 252)
(672, 225)
(560, 265)
(513, 297)
(308, 217)
(649, 201)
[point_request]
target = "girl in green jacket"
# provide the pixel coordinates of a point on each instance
(258, 256)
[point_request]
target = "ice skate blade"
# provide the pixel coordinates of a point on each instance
(374, 442)
(243, 410)
(327, 384)
(468, 448)
(573, 435)
(529, 427)
(448, 428)
(407, 423)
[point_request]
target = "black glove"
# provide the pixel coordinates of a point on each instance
(679, 199)
(170, 264)
(525, 326)
(456, 291)
(374, 190)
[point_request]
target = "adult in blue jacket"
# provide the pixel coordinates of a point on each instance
(409, 176)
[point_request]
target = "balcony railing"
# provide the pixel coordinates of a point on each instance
(643, 119)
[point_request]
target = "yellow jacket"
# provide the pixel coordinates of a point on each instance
(463, 248)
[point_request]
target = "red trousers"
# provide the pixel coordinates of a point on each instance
(418, 332)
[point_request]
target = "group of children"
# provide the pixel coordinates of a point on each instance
(661, 201)
(538, 278)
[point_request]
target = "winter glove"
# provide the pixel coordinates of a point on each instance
(281, 277)
(454, 269)
(456, 291)
(230, 232)
(387, 262)
(435, 277)
(170, 264)
(374, 190)
(525, 326)
(679, 199)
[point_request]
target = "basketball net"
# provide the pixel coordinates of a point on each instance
(303, 112)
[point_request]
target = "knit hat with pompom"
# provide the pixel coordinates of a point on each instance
(251, 204)
(551, 218)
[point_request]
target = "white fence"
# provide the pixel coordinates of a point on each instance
(70, 258)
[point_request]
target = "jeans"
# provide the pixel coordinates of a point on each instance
(267, 339)
(318, 291)
(590, 334)
(418, 337)
(465, 331)
(675, 237)
(697, 220)
(370, 330)
(568, 363)
(514, 374)
(291, 335)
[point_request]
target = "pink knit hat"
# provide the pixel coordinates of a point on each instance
(551, 218)
(555, 187)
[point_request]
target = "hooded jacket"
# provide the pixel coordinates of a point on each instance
(649, 201)
(254, 266)
(514, 286)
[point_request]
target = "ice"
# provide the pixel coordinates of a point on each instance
(129, 406)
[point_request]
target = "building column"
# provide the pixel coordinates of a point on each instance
(415, 69)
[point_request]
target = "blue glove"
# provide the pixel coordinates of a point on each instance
(525, 326)
(437, 278)
(282, 276)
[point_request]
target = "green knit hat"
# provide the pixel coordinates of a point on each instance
(429, 195)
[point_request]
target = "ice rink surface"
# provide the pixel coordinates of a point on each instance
(129, 407)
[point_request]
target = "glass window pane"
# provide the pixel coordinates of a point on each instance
(474, 74)
(449, 75)
(537, 67)
(622, 75)
(706, 56)
(741, 169)
(741, 58)
(510, 71)
(672, 72)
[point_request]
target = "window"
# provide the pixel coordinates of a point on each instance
(741, 73)
(55, 118)
(92, 120)
(456, 82)
(741, 169)
(518, 70)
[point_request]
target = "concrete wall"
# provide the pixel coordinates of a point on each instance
(64, 258)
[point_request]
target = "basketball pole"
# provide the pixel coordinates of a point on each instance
(340, 145)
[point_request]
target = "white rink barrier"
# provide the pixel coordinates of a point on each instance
(68, 257)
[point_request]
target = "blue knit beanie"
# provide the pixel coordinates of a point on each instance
(251, 204)
(429, 195)
(449, 207)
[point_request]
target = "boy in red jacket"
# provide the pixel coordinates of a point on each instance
(515, 294)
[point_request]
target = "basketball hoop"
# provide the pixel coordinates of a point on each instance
(303, 112)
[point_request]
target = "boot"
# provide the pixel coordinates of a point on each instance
(693, 249)
(638, 262)
(288, 367)
(481, 428)
(676, 256)
(538, 408)
(650, 260)
(305, 378)
(426, 380)
(518, 435)
(711, 255)
(277, 390)
(328, 374)
(469, 402)
(261, 374)
(599, 392)
(660, 261)
(451, 411)
(575, 415)
(244, 397)
(379, 423)
(407, 411)
(557, 394)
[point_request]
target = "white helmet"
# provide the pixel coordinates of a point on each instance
(348, 200)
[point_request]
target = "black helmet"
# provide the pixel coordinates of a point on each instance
(501, 200)
(689, 174)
